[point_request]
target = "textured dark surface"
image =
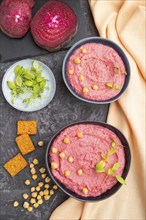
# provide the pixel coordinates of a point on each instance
(62, 110)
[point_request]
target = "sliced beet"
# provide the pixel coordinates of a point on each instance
(54, 25)
(15, 17)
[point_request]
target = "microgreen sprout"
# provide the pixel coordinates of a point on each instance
(28, 81)
(100, 166)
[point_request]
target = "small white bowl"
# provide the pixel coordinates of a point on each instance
(37, 104)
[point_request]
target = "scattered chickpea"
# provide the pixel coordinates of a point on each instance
(46, 186)
(31, 165)
(70, 159)
(47, 180)
(36, 205)
(81, 78)
(67, 173)
(53, 165)
(94, 87)
(32, 189)
(80, 134)
(77, 60)
(46, 192)
(29, 209)
(27, 182)
(39, 197)
(51, 192)
(37, 188)
(35, 161)
(40, 143)
(46, 197)
(15, 204)
(25, 205)
(33, 171)
(62, 155)
(41, 193)
(55, 187)
(25, 196)
(84, 51)
(40, 201)
(34, 194)
(40, 184)
(85, 90)
(43, 175)
(34, 177)
(42, 170)
(85, 190)
(32, 201)
(70, 72)
(80, 172)
(54, 150)
(66, 140)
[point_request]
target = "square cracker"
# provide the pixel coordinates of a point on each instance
(28, 127)
(15, 164)
(25, 144)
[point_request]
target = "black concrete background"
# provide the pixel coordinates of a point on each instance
(62, 110)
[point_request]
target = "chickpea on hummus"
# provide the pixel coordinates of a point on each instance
(96, 72)
(86, 158)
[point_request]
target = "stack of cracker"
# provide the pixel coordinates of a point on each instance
(25, 145)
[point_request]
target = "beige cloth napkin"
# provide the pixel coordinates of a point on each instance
(123, 22)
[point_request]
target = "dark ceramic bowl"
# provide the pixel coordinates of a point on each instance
(106, 42)
(109, 192)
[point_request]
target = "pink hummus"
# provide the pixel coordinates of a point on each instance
(86, 153)
(99, 65)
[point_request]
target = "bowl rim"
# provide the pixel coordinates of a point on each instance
(17, 63)
(116, 187)
(103, 41)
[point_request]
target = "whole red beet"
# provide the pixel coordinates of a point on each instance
(54, 25)
(15, 17)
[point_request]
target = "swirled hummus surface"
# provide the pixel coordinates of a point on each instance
(96, 72)
(75, 153)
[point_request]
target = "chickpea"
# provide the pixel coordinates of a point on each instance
(67, 173)
(85, 90)
(54, 150)
(53, 165)
(70, 159)
(15, 204)
(66, 140)
(70, 72)
(85, 190)
(77, 60)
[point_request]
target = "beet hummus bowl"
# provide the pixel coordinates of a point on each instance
(96, 70)
(89, 160)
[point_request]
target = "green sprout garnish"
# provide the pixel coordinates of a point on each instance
(120, 180)
(105, 157)
(109, 84)
(27, 81)
(113, 144)
(112, 151)
(115, 167)
(117, 69)
(100, 167)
